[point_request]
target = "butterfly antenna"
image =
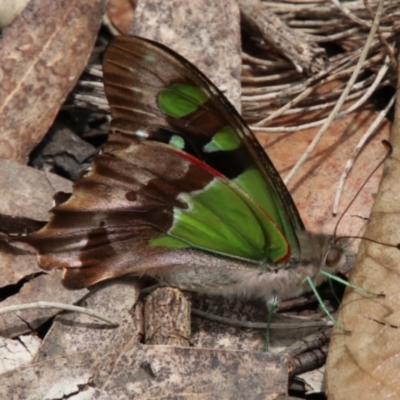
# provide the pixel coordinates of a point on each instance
(389, 149)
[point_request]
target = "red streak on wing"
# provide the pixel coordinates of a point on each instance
(198, 162)
(288, 254)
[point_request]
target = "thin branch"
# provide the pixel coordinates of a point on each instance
(342, 98)
(60, 306)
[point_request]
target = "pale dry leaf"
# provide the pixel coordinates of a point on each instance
(9, 10)
(47, 380)
(45, 287)
(314, 380)
(75, 335)
(15, 353)
(15, 265)
(27, 194)
(365, 364)
(42, 54)
(210, 373)
(206, 33)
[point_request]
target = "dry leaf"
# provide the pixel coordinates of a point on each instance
(314, 187)
(16, 353)
(78, 350)
(46, 287)
(213, 374)
(365, 365)
(121, 14)
(43, 52)
(27, 192)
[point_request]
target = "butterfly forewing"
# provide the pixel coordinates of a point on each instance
(157, 95)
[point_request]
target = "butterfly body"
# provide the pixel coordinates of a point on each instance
(182, 192)
(205, 273)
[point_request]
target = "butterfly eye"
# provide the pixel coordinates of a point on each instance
(333, 257)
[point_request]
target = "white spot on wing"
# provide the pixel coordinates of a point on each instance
(141, 134)
(213, 90)
(149, 59)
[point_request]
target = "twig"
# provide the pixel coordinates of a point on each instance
(306, 57)
(360, 144)
(61, 306)
(342, 98)
(262, 325)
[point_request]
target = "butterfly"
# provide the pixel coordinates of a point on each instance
(182, 192)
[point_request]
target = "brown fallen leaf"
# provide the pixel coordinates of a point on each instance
(120, 13)
(42, 53)
(27, 195)
(365, 364)
(314, 187)
(27, 192)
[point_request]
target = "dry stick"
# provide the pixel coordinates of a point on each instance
(342, 97)
(267, 63)
(339, 69)
(354, 55)
(389, 50)
(343, 113)
(360, 144)
(286, 90)
(255, 112)
(61, 306)
(312, 341)
(303, 323)
(283, 111)
(351, 16)
(95, 70)
(379, 76)
(288, 129)
(305, 56)
(366, 136)
(334, 36)
(359, 103)
(303, 94)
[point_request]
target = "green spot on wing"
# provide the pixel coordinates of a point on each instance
(225, 139)
(177, 141)
(180, 100)
(223, 220)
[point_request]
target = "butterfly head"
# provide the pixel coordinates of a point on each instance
(323, 251)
